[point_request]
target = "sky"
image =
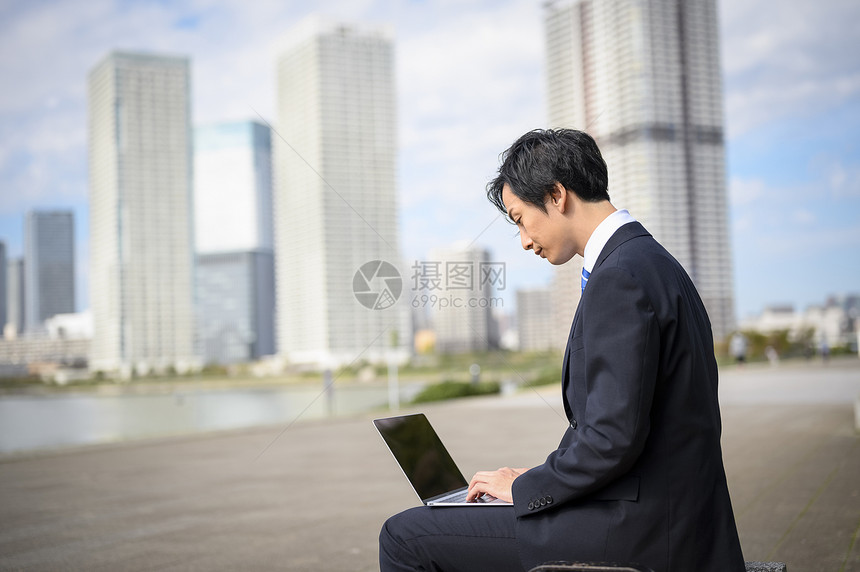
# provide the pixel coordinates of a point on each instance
(470, 79)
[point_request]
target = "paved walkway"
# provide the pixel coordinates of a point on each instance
(313, 496)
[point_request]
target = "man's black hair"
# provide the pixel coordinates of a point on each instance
(533, 164)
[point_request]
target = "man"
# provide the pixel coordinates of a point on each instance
(638, 475)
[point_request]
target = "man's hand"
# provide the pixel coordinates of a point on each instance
(494, 483)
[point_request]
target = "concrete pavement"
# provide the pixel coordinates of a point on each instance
(313, 496)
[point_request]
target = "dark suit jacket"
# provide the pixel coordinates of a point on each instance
(638, 475)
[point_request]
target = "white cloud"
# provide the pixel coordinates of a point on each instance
(468, 85)
(787, 59)
(746, 191)
(810, 242)
(841, 179)
(804, 217)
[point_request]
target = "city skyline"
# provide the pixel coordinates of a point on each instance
(791, 104)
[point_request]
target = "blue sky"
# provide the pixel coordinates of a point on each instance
(470, 79)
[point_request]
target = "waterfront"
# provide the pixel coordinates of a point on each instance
(35, 422)
(312, 496)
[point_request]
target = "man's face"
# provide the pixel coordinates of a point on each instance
(542, 232)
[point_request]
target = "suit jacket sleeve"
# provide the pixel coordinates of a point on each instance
(612, 374)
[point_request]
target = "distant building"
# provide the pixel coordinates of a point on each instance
(14, 325)
(63, 344)
(506, 325)
(566, 290)
(336, 196)
(39, 353)
(644, 79)
(835, 322)
(774, 319)
(463, 311)
(141, 261)
(49, 249)
(534, 320)
(3, 288)
(77, 326)
(235, 305)
(232, 187)
(235, 281)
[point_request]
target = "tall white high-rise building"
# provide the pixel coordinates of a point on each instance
(49, 249)
(335, 195)
(141, 237)
(234, 268)
(643, 78)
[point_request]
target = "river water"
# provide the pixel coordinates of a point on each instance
(29, 423)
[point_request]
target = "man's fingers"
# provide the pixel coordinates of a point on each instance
(481, 477)
(475, 492)
(493, 483)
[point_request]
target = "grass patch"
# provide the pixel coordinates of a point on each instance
(454, 389)
(546, 376)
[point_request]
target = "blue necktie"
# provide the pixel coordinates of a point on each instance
(585, 275)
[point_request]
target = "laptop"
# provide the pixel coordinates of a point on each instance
(425, 461)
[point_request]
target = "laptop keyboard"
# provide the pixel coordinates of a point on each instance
(454, 497)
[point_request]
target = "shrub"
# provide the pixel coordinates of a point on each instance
(455, 389)
(546, 376)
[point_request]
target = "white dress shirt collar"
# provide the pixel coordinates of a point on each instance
(601, 236)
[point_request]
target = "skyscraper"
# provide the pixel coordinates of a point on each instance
(235, 282)
(49, 249)
(14, 325)
(232, 187)
(140, 213)
(3, 288)
(335, 199)
(644, 79)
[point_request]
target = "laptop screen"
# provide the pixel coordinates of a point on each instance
(421, 455)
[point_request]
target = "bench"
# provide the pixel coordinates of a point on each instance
(607, 567)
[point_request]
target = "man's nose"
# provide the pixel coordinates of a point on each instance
(526, 240)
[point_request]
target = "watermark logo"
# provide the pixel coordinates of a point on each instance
(457, 284)
(377, 285)
(435, 275)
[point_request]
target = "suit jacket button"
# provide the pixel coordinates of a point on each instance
(531, 505)
(548, 499)
(573, 424)
(543, 501)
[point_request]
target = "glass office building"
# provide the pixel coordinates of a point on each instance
(234, 269)
(49, 249)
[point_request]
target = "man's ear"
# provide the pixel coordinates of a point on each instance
(558, 197)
